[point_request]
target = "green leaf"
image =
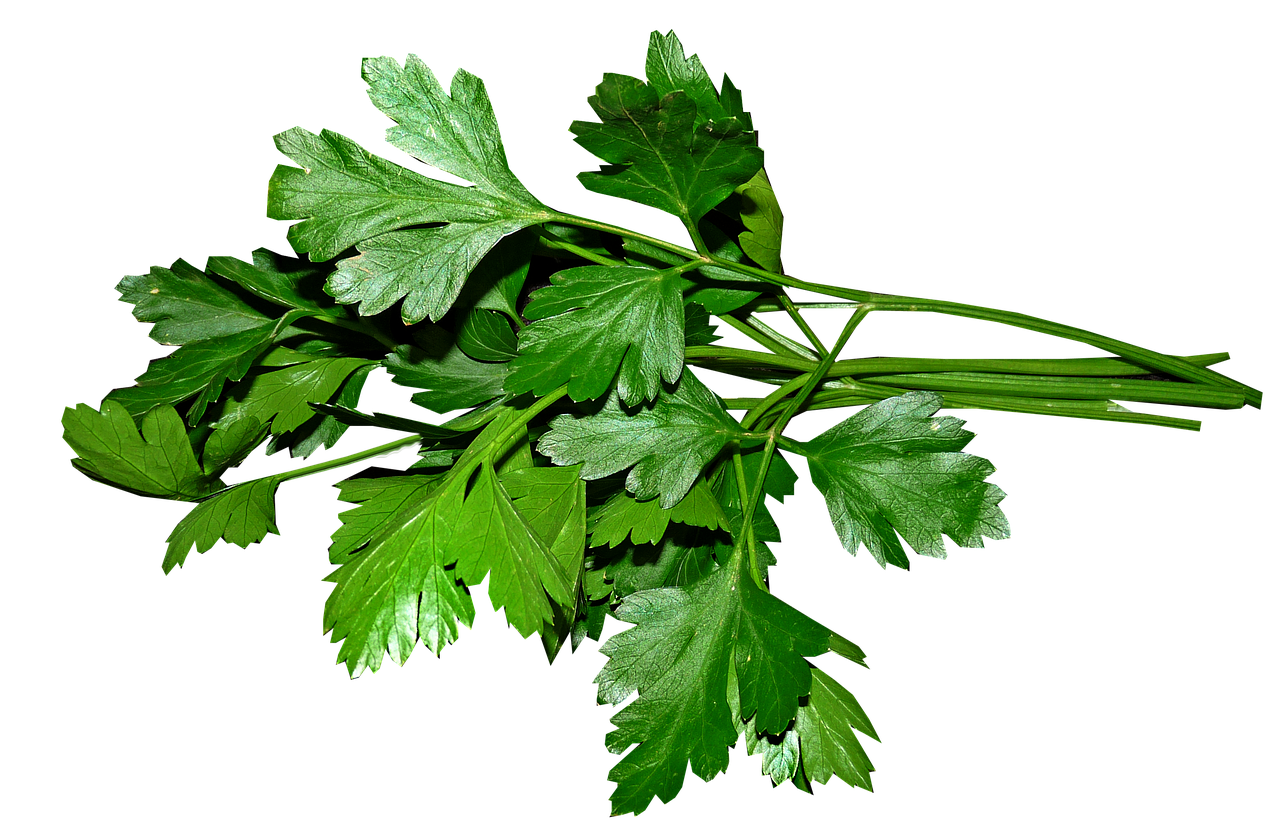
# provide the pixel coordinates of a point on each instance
(668, 70)
(186, 305)
(486, 335)
(498, 280)
(698, 330)
(230, 445)
(684, 556)
(678, 657)
(894, 469)
(200, 370)
(761, 214)
(346, 196)
(554, 502)
(285, 281)
(392, 588)
(154, 459)
(666, 154)
(502, 544)
(825, 728)
(242, 514)
(405, 552)
(284, 396)
(668, 443)
(451, 379)
(324, 431)
(598, 322)
(623, 517)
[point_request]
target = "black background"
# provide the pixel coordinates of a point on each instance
(1096, 181)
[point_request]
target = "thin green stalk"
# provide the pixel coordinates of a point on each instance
(748, 535)
(551, 241)
(818, 374)
(1068, 388)
(796, 318)
(386, 448)
(762, 337)
(586, 223)
(1175, 366)
(509, 436)
(793, 346)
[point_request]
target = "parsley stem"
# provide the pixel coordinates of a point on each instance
(551, 241)
(509, 436)
(573, 220)
(1025, 321)
(767, 337)
(747, 535)
(1069, 388)
(727, 358)
(367, 329)
(376, 451)
(796, 318)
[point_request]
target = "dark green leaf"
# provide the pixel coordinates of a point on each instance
(321, 429)
(186, 305)
(284, 396)
(698, 330)
(487, 335)
(666, 153)
(668, 70)
(451, 379)
(598, 322)
(678, 657)
(285, 281)
(154, 459)
(762, 216)
(683, 557)
(498, 280)
(230, 445)
(623, 517)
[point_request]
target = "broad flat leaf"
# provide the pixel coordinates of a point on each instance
(666, 154)
(392, 588)
(761, 214)
(186, 305)
(678, 657)
(498, 280)
(154, 459)
(698, 330)
(597, 322)
(284, 396)
(894, 469)
(285, 281)
(451, 380)
(242, 514)
(668, 443)
(668, 70)
(492, 538)
(731, 99)
(347, 196)
(825, 728)
(623, 517)
(201, 369)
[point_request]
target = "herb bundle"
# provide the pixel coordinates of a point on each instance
(588, 472)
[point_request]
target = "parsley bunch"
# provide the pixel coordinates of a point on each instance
(587, 472)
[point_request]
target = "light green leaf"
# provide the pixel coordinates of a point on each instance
(186, 305)
(242, 514)
(668, 443)
(598, 322)
(153, 460)
(663, 150)
(761, 214)
(894, 469)
(501, 544)
(392, 588)
(825, 728)
(347, 196)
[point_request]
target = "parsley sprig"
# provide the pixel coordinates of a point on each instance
(589, 472)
